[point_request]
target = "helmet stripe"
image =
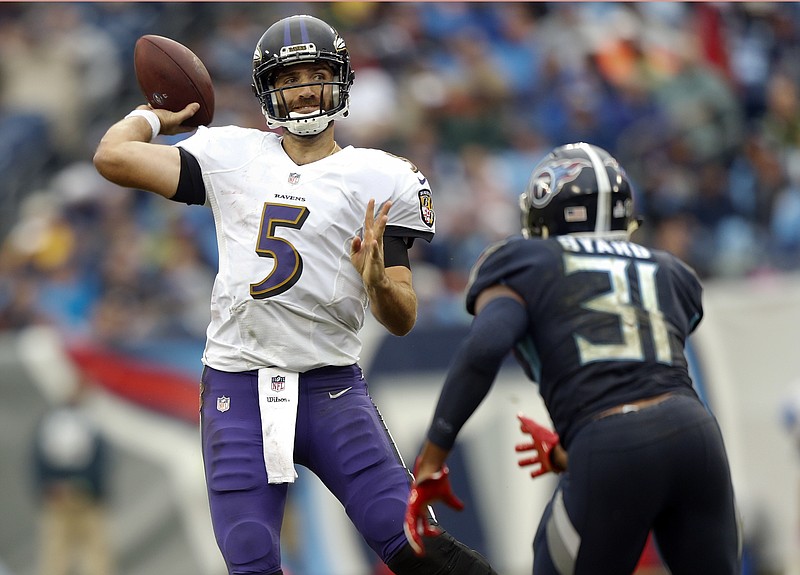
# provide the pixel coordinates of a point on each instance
(303, 32)
(287, 32)
(603, 222)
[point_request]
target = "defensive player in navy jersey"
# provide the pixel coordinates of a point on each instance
(600, 323)
(310, 236)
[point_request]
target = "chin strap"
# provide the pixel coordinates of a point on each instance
(300, 126)
(305, 124)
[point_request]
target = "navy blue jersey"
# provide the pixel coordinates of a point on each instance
(608, 320)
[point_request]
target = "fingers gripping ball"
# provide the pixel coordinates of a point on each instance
(435, 488)
(171, 77)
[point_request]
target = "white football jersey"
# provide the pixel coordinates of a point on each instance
(286, 293)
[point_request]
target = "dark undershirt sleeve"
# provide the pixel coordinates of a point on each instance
(395, 252)
(408, 234)
(191, 189)
(492, 336)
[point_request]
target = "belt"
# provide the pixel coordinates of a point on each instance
(634, 406)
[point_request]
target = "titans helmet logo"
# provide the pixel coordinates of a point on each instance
(551, 178)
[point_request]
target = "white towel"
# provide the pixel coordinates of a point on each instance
(277, 400)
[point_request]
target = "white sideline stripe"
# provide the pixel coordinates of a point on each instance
(42, 354)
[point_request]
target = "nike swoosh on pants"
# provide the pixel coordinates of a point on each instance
(339, 393)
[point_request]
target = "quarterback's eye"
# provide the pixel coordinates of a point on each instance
(285, 80)
(303, 74)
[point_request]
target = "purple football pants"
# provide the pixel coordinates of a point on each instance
(342, 439)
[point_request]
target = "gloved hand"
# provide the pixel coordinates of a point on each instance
(544, 440)
(434, 488)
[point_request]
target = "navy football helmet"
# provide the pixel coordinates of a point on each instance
(578, 189)
(296, 40)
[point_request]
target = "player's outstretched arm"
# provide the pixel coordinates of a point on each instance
(126, 157)
(392, 298)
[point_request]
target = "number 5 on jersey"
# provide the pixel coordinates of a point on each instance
(288, 262)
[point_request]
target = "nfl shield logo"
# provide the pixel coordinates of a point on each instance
(223, 404)
(294, 177)
(278, 383)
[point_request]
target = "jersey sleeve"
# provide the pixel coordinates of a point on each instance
(197, 143)
(489, 269)
(514, 262)
(226, 148)
(689, 291)
(412, 214)
(222, 149)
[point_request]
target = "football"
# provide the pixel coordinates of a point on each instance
(171, 76)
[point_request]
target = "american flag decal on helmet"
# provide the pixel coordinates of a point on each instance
(575, 214)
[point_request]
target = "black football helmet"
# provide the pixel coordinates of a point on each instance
(295, 40)
(578, 189)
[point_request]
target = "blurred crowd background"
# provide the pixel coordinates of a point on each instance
(699, 101)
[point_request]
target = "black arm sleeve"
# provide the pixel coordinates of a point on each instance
(191, 189)
(395, 252)
(493, 333)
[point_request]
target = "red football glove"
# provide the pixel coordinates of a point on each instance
(544, 440)
(435, 488)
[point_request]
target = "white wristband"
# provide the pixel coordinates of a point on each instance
(152, 119)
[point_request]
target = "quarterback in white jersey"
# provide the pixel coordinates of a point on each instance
(310, 236)
(286, 294)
